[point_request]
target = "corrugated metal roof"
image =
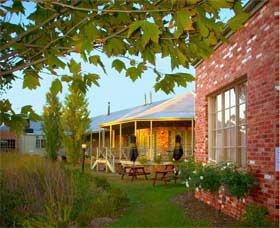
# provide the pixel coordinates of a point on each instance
(36, 126)
(180, 107)
(122, 114)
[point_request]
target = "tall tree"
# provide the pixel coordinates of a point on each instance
(183, 30)
(52, 124)
(75, 116)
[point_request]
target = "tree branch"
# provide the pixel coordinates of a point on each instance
(20, 67)
(20, 36)
(109, 11)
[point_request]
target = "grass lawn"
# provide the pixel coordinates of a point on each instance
(151, 206)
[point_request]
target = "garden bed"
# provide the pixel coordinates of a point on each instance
(198, 210)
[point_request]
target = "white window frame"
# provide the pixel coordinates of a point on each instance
(213, 156)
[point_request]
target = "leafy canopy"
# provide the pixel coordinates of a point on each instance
(184, 30)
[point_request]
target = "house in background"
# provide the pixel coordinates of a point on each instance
(155, 126)
(237, 105)
(8, 140)
(30, 141)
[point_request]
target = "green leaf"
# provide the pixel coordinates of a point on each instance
(55, 62)
(133, 73)
(133, 27)
(181, 57)
(74, 67)
(92, 79)
(114, 47)
(31, 79)
(86, 45)
(118, 65)
(218, 4)
(148, 55)
(169, 81)
(192, 2)
(66, 78)
(26, 109)
(183, 22)
(56, 86)
(237, 21)
(150, 31)
(95, 59)
(34, 117)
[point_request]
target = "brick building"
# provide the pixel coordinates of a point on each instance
(237, 105)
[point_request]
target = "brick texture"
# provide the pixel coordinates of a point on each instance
(252, 52)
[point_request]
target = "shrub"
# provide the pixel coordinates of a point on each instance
(206, 177)
(157, 158)
(83, 191)
(94, 197)
(34, 191)
(102, 182)
(255, 216)
(210, 177)
(37, 192)
(237, 182)
(108, 203)
(142, 159)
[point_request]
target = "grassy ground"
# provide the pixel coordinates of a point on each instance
(151, 206)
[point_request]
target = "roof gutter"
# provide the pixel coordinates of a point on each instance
(143, 120)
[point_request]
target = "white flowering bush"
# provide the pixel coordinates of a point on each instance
(210, 177)
(237, 182)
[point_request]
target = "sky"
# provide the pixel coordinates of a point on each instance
(115, 88)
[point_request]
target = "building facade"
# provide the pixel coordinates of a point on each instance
(30, 141)
(155, 126)
(237, 105)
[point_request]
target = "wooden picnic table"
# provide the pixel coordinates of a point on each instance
(165, 175)
(134, 171)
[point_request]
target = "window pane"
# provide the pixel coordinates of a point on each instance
(242, 114)
(213, 142)
(219, 139)
(219, 102)
(219, 120)
(227, 98)
(233, 116)
(219, 155)
(227, 123)
(232, 155)
(232, 97)
(226, 154)
(227, 136)
(242, 136)
(242, 94)
(233, 136)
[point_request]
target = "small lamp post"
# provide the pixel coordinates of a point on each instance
(84, 146)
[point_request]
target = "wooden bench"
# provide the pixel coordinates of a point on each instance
(165, 175)
(134, 171)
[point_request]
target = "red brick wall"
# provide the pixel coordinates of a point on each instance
(254, 52)
(8, 135)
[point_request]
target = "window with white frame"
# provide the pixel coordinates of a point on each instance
(40, 142)
(227, 125)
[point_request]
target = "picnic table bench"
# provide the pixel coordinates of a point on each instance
(165, 175)
(134, 171)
